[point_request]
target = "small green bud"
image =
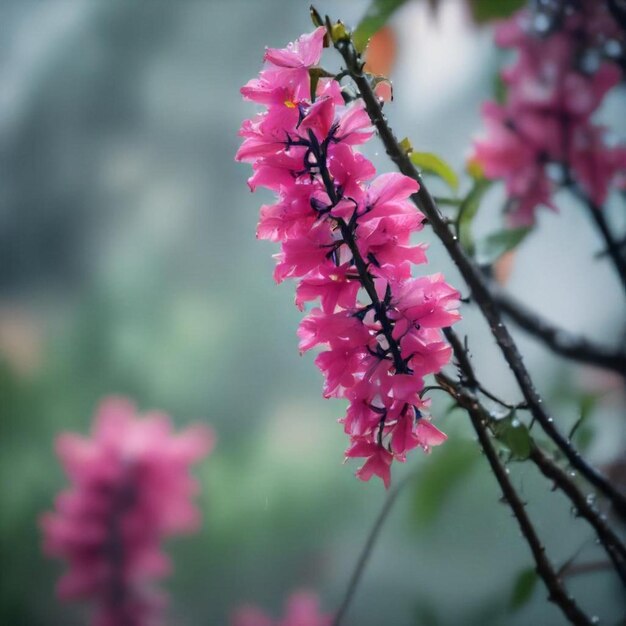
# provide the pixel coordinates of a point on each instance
(406, 146)
(339, 32)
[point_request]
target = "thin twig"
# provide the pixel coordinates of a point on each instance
(462, 356)
(474, 279)
(466, 371)
(584, 568)
(613, 545)
(613, 247)
(560, 341)
(367, 549)
(557, 592)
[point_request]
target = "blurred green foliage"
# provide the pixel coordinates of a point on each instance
(523, 588)
(376, 16)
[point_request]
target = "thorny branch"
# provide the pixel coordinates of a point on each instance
(474, 278)
(585, 507)
(557, 592)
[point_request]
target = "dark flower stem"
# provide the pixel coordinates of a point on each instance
(117, 599)
(349, 238)
(475, 280)
(367, 549)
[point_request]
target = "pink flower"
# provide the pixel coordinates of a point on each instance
(427, 301)
(305, 52)
(347, 237)
(427, 435)
(546, 120)
(301, 609)
(332, 285)
(378, 461)
(130, 488)
(286, 81)
(594, 164)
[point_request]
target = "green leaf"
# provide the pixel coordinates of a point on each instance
(523, 588)
(485, 10)
(440, 473)
(432, 164)
(514, 435)
(376, 17)
(467, 212)
(492, 247)
(517, 440)
(584, 437)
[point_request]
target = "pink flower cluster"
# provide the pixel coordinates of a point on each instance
(543, 135)
(302, 609)
(130, 488)
(346, 238)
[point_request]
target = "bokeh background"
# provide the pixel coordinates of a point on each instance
(129, 265)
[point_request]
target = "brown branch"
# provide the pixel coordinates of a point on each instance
(557, 592)
(613, 545)
(474, 279)
(558, 340)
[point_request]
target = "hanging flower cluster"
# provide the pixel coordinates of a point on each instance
(301, 609)
(131, 487)
(346, 238)
(543, 135)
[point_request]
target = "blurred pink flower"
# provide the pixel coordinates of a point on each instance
(130, 488)
(301, 609)
(553, 89)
